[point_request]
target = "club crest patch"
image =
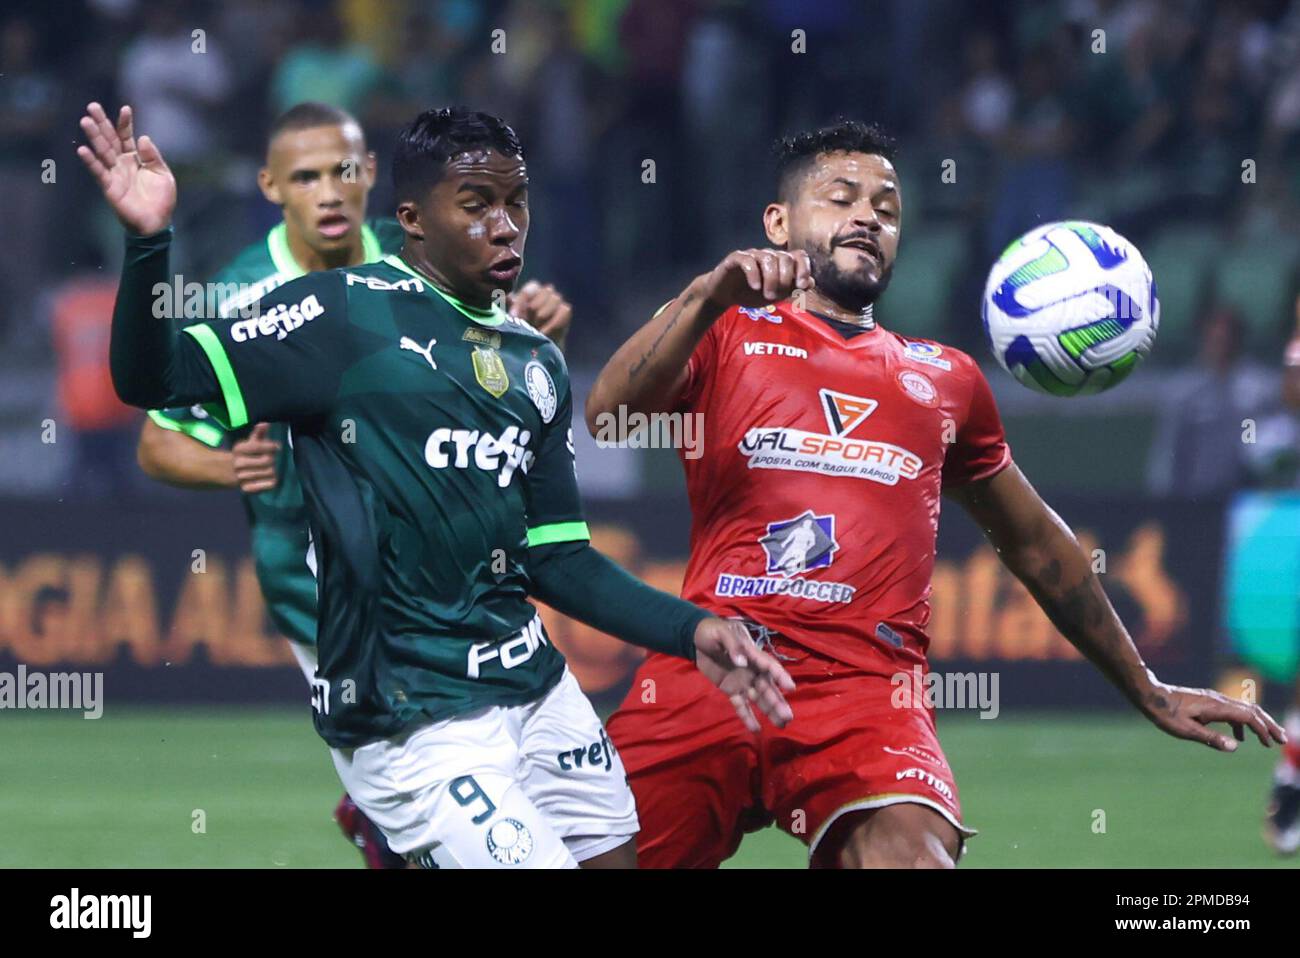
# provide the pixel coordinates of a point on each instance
(490, 371)
(541, 389)
(509, 841)
(918, 387)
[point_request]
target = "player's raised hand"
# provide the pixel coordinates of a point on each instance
(729, 659)
(253, 458)
(131, 173)
(1187, 713)
(543, 308)
(756, 277)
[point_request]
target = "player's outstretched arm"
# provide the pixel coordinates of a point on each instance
(169, 456)
(132, 174)
(648, 373)
(1039, 548)
(575, 579)
(147, 368)
(188, 462)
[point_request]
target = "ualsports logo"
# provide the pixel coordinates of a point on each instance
(833, 453)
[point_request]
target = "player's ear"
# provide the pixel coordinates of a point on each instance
(370, 166)
(776, 224)
(408, 217)
(270, 189)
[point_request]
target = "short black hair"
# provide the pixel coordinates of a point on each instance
(434, 137)
(308, 116)
(794, 154)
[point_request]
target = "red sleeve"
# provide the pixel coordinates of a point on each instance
(981, 449)
(699, 369)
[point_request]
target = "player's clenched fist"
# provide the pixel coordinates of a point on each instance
(543, 308)
(756, 277)
(253, 458)
(729, 659)
(132, 175)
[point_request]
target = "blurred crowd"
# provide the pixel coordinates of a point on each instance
(648, 126)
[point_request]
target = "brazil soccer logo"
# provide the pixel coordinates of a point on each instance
(799, 545)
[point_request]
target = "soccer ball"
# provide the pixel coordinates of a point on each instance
(1070, 308)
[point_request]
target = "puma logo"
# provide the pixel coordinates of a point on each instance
(425, 351)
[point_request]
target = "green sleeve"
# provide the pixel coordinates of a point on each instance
(283, 360)
(152, 365)
(188, 421)
(576, 580)
(553, 505)
(566, 572)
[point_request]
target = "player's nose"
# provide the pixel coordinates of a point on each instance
(866, 219)
(502, 229)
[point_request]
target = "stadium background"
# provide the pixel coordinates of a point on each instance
(1182, 130)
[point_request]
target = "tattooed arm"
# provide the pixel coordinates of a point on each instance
(1042, 552)
(648, 373)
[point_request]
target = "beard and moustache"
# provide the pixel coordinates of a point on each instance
(854, 290)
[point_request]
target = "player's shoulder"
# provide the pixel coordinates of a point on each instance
(252, 264)
(381, 279)
(310, 297)
(388, 234)
(932, 353)
(539, 346)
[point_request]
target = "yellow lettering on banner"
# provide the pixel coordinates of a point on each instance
(597, 660)
(980, 592)
(1023, 630)
(1142, 571)
(201, 616)
(83, 638)
(36, 583)
(248, 643)
(945, 605)
(130, 616)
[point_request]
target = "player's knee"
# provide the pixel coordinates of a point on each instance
(898, 850)
(902, 840)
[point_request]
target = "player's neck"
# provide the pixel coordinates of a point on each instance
(415, 257)
(311, 261)
(817, 303)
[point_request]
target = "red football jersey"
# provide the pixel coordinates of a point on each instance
(815, 501)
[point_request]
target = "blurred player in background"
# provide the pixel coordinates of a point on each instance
(1282, 819)
(319, 172)
(431, 434)
(815, 507)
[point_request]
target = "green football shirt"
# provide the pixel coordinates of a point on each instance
(433, 447)
(277, 518)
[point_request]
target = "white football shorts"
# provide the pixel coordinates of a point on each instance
(529, 786)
